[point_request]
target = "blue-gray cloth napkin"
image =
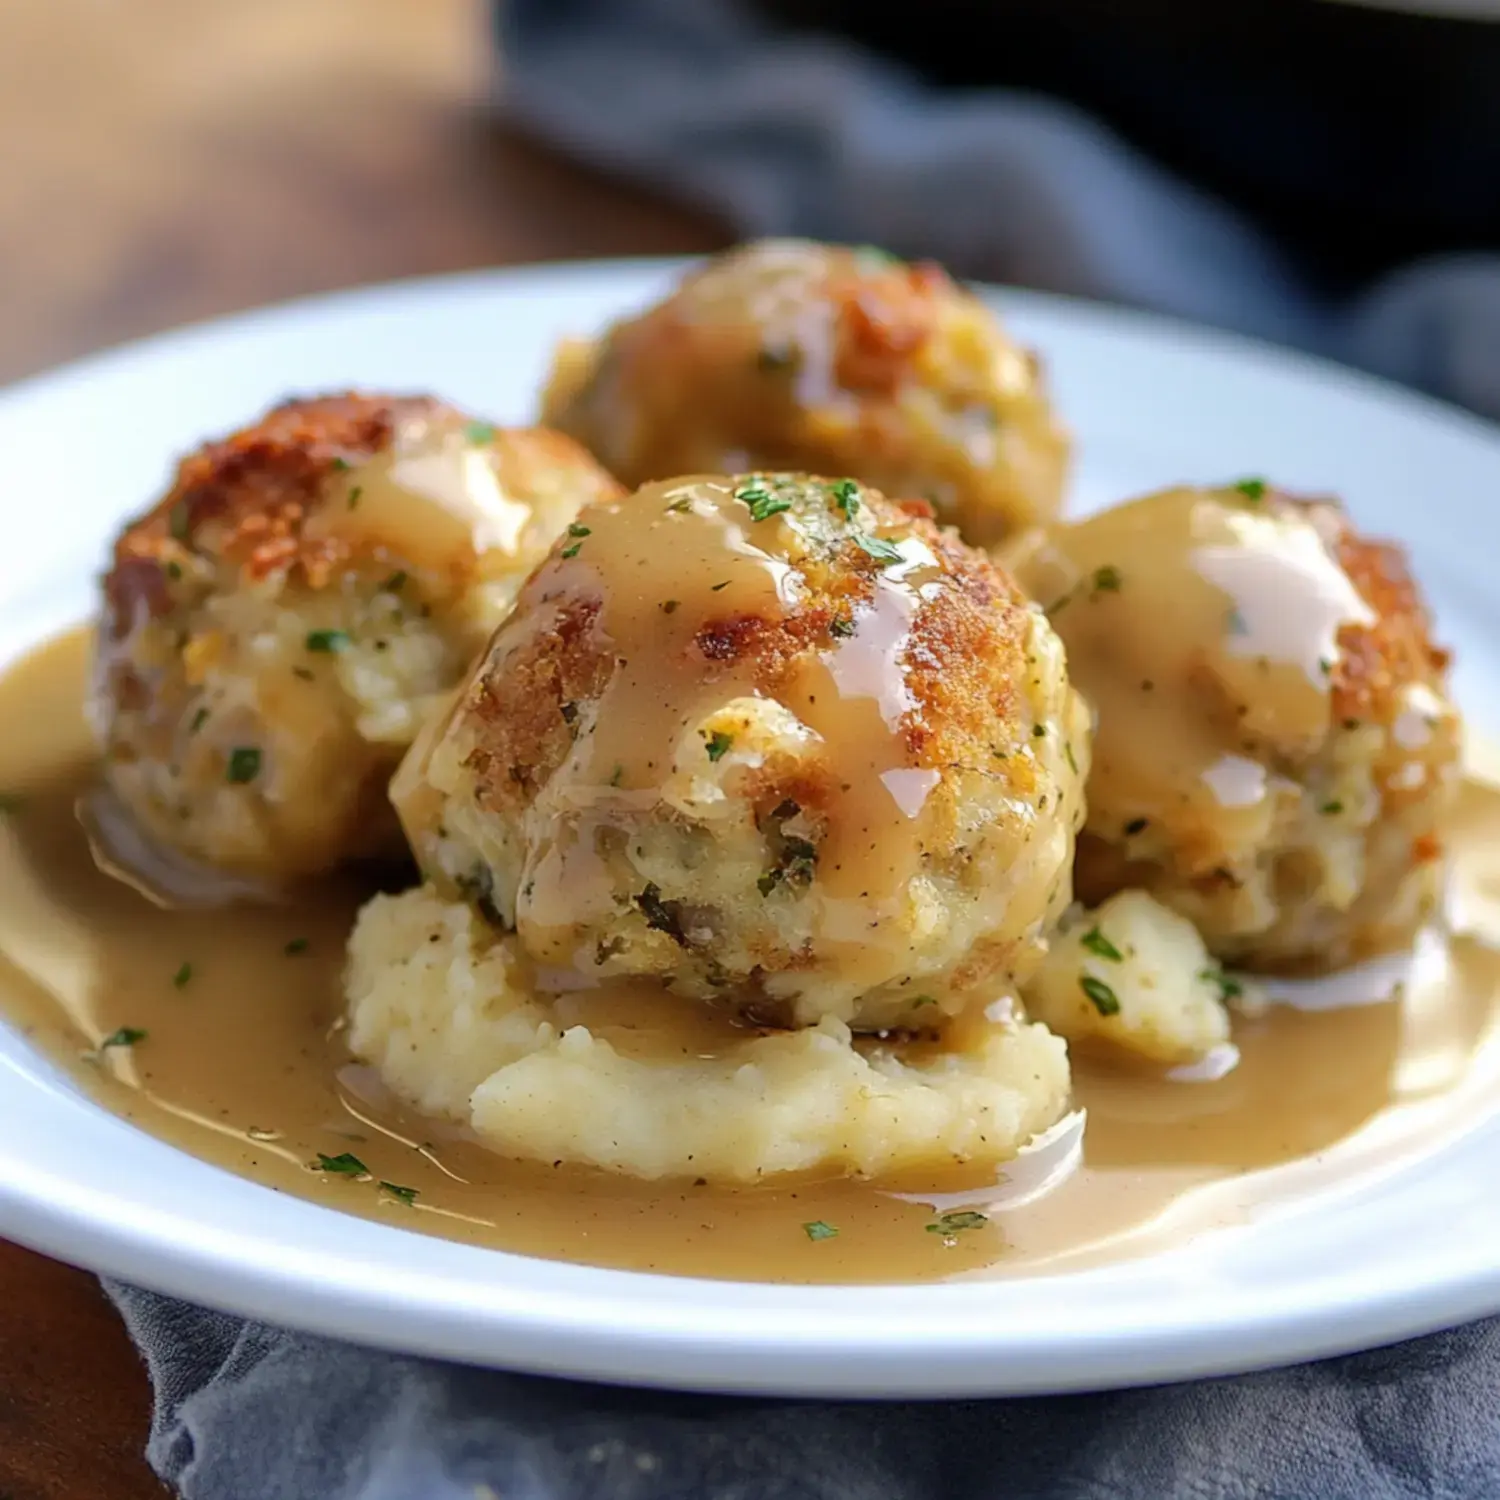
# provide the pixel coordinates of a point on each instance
(785, 133)
(782, 135)
(246, 1412)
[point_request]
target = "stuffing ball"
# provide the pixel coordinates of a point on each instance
(772, 740)
(788, 354)
(1275, 748)
(275, 629)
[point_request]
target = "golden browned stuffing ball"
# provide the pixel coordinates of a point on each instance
(1275, 748)
(275, 628)
(791, 355)
(772, 740)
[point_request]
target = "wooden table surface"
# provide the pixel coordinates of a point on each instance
(168, 160)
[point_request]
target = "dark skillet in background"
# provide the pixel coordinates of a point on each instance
(1361, 134)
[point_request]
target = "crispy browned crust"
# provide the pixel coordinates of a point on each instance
(245, 498)
(964, 665)
(1376, 662)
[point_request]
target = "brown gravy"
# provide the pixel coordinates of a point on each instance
(242, 1065)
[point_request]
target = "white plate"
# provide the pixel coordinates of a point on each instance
(1151, 402)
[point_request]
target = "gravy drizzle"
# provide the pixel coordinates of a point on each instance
(241, 1063)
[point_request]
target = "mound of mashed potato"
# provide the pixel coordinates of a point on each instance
(775, 771)
(443, 1006)
(1137, 976)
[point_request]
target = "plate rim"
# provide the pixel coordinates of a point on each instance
(604, 1333)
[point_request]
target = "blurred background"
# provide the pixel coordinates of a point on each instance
(167, 160)
(1321, 172)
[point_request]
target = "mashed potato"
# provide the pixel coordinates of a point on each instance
(773, 741)
(1275, 749)
(1136, 975)
(275, 630)
(792, 355)
(441, 1004)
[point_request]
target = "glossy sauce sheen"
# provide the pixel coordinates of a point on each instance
(241, 1064)
(672, 570)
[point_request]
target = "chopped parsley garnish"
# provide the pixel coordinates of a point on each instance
(845, 494)
(1107, 579)
(126, 1036)
(719, 744)
(1136, 825)
(884, 552)
(244, 765)
(763, 504)
(405, 1194)
(578, 529)
(1229, 987)
(396, 582)
(1068, 752)
(1331, 809)
(681, 505)
(174, 570)
(1325, 666)
(818, 1230)
(1096, 942)
(1251, 489)
(954, 1223)
(199, 720)
(11, 802)
(182, 977)
(327, 641)
(480, 432)
(768, 882)
(571, 552)
(345, 1164)
(875, 256)
(179, 523)
(841, 627)
(355, 494)
(296, 946)
(616, 774)
(1101, 997)
(922, 1000)
(340, 465)
(669, 606)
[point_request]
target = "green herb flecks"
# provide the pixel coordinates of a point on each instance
(403, 1194)
(819, 1230)
(763, 503)
(1101, 997)
(296, 947)
(125, 1036)
(884, 552)
(480, 432)
(719, 745)
(845, 494)
(183, 977)
(345, 1164)
(327, 641)
(1228, 986)
(395, 583)
(244, 765)
(957, 1222)
(1106, 580)
(1251, 489)
(1096, 943)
